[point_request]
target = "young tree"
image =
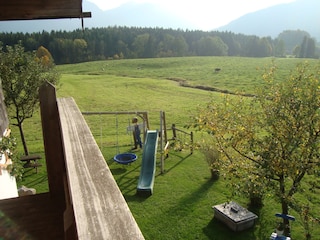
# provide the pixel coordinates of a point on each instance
(280, 48)
(22, 73)
(271, 141)
(45, 56)
(307, 48)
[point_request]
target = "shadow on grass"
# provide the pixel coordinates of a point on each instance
(36, 181)
(192, 199)
(126, 178)
(129, 185)
(175, 165)
(264, 220)
(216, 230)
(135, 198)
(118, 171)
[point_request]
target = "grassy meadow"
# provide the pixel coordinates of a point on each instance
(181, 206)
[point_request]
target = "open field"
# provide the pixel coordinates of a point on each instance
(236, 74)
(180, 207)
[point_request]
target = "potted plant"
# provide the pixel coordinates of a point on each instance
(280, 229)
(212, 157)
(255, 189)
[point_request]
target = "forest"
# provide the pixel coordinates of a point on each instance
(117, 42)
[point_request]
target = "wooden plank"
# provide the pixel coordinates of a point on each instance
(40, 9)
(52, 140)
(100, 210)
(31, 217)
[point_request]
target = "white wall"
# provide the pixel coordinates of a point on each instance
(8, 185)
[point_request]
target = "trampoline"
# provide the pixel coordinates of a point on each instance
(125, 158)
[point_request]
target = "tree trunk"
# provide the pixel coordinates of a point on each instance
(284, 207)
(23, 140)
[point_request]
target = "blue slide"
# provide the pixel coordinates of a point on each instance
(148, 166)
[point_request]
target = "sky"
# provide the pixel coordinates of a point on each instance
(205, 14)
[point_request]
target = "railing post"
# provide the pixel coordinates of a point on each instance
(173, 127)
(51, 131)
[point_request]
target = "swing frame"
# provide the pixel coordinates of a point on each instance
(143, 115)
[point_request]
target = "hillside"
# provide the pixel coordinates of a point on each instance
(302, 15)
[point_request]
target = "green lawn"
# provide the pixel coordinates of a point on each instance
(180, 207)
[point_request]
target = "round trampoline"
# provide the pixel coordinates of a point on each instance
(125, 158)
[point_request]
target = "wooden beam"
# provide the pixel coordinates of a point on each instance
(41, 9)
(52, 140)
(100, 210)
(31, 217)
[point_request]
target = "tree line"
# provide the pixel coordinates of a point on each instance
(136, 42)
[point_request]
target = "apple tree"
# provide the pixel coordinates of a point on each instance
(21, 75)
(269, 142)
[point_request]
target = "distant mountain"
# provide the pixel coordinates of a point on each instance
(139, 15)
(130, 14)
(299, 15)
(302, 15)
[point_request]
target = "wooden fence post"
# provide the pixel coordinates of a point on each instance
(51, 131)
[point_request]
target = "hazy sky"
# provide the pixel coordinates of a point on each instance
(205, 14)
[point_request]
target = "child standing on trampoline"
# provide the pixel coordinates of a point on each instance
(136, 133)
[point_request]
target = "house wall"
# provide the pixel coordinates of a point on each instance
(8, 185)
(4, 122)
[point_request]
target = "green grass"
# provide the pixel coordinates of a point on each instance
(180, 207)
(237, 74)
